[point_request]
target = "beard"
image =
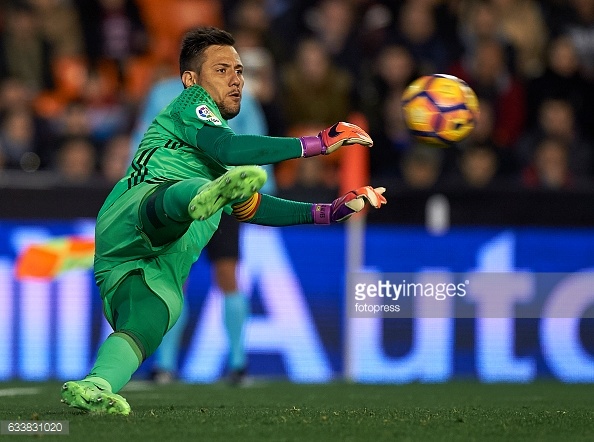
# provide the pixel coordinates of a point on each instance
(228, 112)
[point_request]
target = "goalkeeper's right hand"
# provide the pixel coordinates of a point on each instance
(347, 205)
(328, 140)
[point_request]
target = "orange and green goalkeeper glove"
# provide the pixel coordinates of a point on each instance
(347, 205)
(328, 140)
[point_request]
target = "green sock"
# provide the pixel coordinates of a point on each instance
(235, 314)
(178, 196)
(117, 360)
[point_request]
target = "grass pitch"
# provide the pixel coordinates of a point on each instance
(280, 411)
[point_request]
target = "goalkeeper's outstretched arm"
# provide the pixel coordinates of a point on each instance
(272, 211)
(236, 150)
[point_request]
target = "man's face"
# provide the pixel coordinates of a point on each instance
(221, 76)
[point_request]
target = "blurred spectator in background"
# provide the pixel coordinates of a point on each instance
(381, 96)
(315, 91)
(417, 30)
(60, 25)
(522, 24)
(75, 162)
(113, 31)
(563, 79)
(478, 22)
(333, 23)
(115, 159)
(549, 168)
(107, 114)
(477, 169)
(19, 140)
(556, 118)
(580, 27)
(488, 74)
(421, 167)
(24, 52)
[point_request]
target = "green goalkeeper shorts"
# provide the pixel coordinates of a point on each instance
(121, 247)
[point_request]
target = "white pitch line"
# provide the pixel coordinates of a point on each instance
(19, 391)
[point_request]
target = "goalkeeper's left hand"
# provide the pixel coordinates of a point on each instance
(347, 205)
(329, 140)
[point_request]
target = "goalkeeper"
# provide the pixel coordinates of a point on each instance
(157, 219)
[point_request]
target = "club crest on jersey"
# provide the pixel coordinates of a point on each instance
(205, 114)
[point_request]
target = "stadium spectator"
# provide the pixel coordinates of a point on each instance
(333, 24)
(75, 162)
(421, 167)
(315, 90)
(113, 31)
(563, 79)
(556, 118)
(580, 27)
(477, 169)
(549, 168)
(522, 24)
(115, 158)
(417, 30)
(24, 53)
(488, 74)
(61, 27)
(19, 140)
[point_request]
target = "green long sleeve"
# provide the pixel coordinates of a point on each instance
(274, 211)
(235, 150)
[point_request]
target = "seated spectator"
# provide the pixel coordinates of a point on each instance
(115, 159)
(478, 167)
(563, 79)
(19, 142)
(75, 162)
(556, 118)
(549, 168)
(24, 53)
(421, 167)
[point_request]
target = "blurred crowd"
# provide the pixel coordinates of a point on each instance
(74, 75)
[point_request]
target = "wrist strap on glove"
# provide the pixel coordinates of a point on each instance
(312, 146)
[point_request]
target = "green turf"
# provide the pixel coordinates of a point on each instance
(278, 411)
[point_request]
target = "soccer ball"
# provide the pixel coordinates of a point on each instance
(440, 109)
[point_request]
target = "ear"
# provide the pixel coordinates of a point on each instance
(189, 78)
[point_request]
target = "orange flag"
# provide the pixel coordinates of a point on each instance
(48, 260)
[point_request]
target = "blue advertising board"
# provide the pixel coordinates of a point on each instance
(299, 327)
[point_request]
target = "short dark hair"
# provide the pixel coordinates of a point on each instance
(194, 43)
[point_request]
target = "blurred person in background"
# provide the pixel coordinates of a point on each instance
(477, 169)
(113, 31)
(334, 24)
(417, 30)
(60, 25)
(522, 24)
(75, 162)
(24, 52)
(115, 158)
(421, 168)
(563, 79)
(19, 140)
(486, 71)
(549, 168)
(557, 119)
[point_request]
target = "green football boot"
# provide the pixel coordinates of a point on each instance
(88, 396)
(238, 183)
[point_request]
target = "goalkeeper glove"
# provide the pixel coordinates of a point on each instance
(328, 140)
(344, 207)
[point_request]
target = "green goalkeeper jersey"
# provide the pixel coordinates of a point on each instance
(188, 139)
(168, 152)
